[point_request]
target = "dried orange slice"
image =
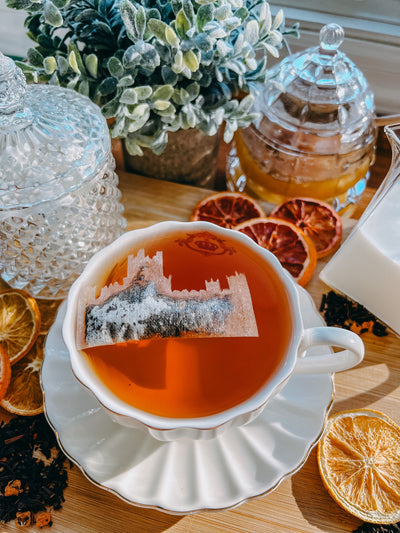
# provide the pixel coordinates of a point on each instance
(358, 458)
(292, 247)
(316, 218)
(19, 323)
(227, 209)
(24, 393)
(5, 372)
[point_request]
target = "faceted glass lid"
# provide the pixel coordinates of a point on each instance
(321, 92)
(51, 139)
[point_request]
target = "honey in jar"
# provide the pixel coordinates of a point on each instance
(315, 135)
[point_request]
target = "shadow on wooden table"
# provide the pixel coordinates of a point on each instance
(325, 515)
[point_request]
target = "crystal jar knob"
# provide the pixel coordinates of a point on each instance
(12, 86)
(330, 38)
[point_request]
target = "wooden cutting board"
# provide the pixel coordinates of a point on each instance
(299, 504)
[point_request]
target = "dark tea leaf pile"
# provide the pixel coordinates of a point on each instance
(33, 471)
(338, 310)
(378, 528)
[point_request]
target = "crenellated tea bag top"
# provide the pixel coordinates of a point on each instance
(51, 139)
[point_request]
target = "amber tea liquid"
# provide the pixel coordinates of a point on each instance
(185, 377)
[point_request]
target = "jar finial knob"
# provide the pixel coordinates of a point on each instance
(330, 38)
(12, 86)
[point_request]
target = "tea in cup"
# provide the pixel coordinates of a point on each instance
(186, 328)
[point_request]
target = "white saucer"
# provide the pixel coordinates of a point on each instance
(186, 476)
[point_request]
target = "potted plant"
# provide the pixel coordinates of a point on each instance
(157, 66)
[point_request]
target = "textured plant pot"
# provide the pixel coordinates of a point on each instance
(189, 157)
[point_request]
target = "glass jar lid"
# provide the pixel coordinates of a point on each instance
(51, 139)
(318, 100)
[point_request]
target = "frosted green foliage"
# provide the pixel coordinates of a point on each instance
(156, 66)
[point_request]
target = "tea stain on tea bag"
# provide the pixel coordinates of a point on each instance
(144, 306)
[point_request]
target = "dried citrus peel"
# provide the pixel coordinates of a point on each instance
(359, 462)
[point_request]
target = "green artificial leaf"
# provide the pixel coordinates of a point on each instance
(278, 20)
(190, 60)
(251, 31)
(63, 65)
(107, 86)
(73, 82)
(143, 92)
(25, 67)
(161, 105)
(45, 41)
(171, 37)
(158, 28)
(132, 147)
(223, 48)
(110, 109)
(182, 24)
(128, 14)
(193, 90)
(265, 19)
(60, 3)
(54, 79)
(164, 92)
(73, 62)
(149, 57)
(35, 58)
(91, 64)
(242, 13)
(78, 58)
(115, 67)
(140, 22)
(140, 121)
(223, 12)
(181, 96)
(231, 24)
(50, 64)
(125, 81)
(129, 96)
(205, 14)
(131, 57)
(246, 104)
(187, 7)
(18, 4)
(52, 14)
(215, 30)
(204, 42)
(84, 88)
(168, 75)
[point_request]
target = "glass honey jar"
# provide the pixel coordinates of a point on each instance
(315, 134)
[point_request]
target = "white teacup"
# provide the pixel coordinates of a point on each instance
(208, 243)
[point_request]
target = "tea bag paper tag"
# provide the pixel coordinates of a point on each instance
(144, 306)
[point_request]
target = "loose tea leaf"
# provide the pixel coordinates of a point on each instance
(378, 528)
(338, 310)
(33, 471)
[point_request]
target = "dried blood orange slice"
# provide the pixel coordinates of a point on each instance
(316, 218)
(295, 251)
(227, 209)
(358, 458)
(24, 393)
(5, 372)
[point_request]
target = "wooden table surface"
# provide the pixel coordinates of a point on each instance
(300, 503)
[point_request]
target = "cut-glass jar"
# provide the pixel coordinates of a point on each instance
(59, 197)
(315, 135)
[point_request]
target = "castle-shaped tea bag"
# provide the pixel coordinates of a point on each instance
(144, 306)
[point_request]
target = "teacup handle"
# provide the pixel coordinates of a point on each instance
(352, 354)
